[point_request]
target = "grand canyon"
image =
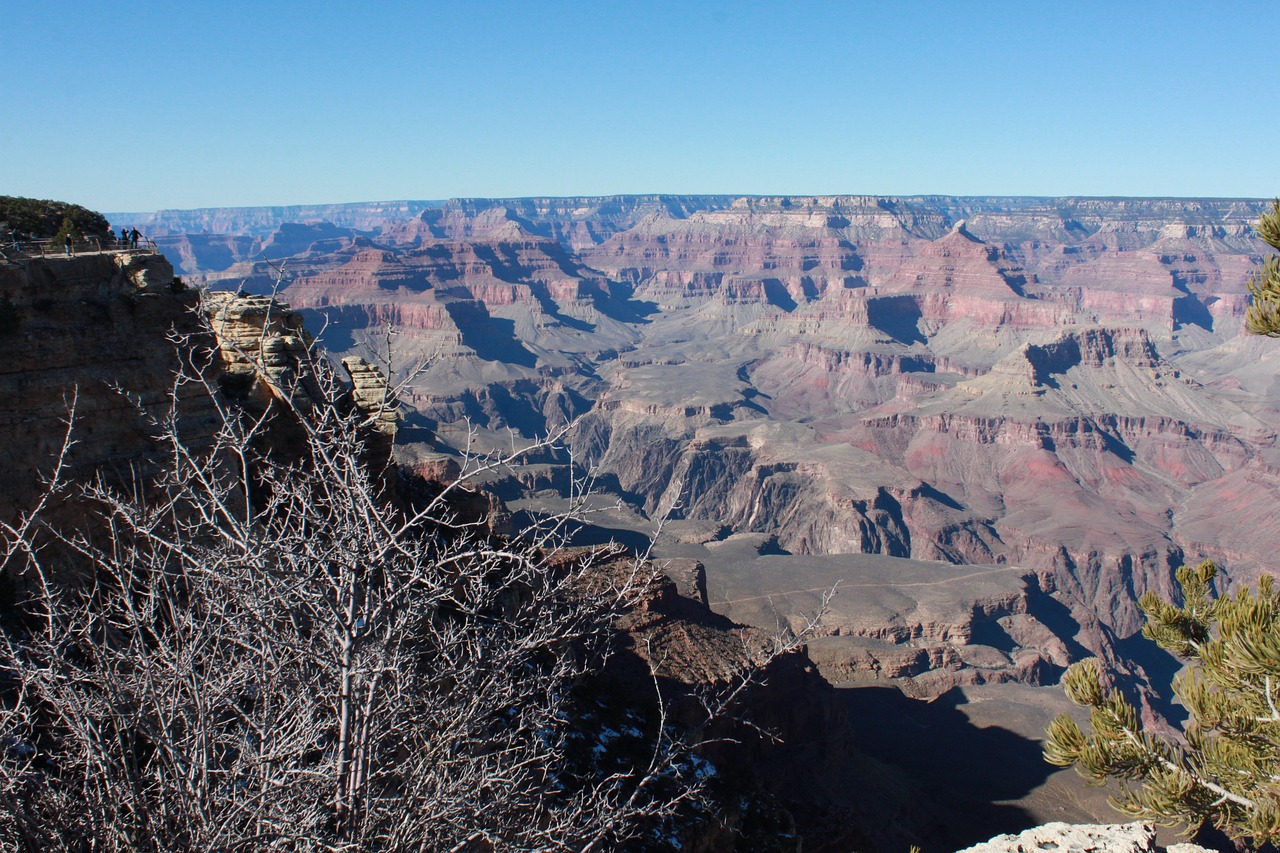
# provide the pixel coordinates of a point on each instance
(988, 424)
(1056, 385)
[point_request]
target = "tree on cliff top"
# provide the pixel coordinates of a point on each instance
(45, 219)
(1263, 317)
(1226, 769)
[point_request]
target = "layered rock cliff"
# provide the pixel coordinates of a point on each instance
(84, 346)
(99, 349)
(1055, 384)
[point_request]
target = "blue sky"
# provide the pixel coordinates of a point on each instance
(141, 105)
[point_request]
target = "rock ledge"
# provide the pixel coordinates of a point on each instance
(1083, 838)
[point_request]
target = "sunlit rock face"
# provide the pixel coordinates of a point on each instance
(101, 352)
(1059, 385)
(1084, 838)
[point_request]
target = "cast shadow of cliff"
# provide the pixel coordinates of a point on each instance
(776, 294)
(1152, 669)
(492, 338)
(581, 534)
(335, 332)
(498, 342)
(1189, 309)
(962, 776)
(618, 302)
(897, 316)
(1156, 670)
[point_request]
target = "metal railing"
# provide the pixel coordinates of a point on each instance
(11, 250)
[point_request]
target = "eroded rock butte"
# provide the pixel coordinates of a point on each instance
(1056, 385)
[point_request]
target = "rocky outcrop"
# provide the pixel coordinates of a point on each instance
(1083, 838)
(773, 756)
(372, 395)
(86, 352)
(92, 346)
(925, 627)
(264, 353)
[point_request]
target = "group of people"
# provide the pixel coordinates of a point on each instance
(128, 239)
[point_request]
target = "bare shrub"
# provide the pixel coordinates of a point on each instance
(287, 651)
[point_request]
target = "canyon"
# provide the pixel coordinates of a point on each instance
(112, 366)
(99, 340)
(967, 434)
(988, 424)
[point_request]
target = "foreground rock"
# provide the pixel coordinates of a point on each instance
(84, 341)
(1068, 838)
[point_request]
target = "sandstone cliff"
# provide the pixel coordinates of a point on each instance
(89, 335)
(92, 346)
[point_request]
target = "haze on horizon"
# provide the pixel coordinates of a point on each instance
(151, 105)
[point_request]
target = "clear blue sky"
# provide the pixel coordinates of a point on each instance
(139, 105)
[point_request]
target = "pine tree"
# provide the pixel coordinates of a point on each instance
(1263, 317)
(45, 218)
(1226, 768)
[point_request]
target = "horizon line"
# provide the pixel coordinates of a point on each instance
(661, 195)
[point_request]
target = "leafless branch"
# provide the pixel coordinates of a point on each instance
(274, 653)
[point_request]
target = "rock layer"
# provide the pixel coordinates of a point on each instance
(84, 346)
(1055, 384)
(1083, 838)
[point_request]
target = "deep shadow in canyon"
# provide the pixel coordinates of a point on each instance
(963, 776)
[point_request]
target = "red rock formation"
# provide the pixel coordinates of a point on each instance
(973, 380)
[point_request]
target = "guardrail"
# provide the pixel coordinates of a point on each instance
(11, 250)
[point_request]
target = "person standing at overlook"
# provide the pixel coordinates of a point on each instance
(133, 238)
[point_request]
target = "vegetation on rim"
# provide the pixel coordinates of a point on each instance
(45, 219)
(1225, 768)
(1264, 286)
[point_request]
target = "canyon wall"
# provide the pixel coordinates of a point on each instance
(84, 350)
(99, 351)
(1057, 384)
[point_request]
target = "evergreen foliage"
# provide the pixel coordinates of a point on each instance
(1226, 768)
(1263, 317)
(44, 219)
